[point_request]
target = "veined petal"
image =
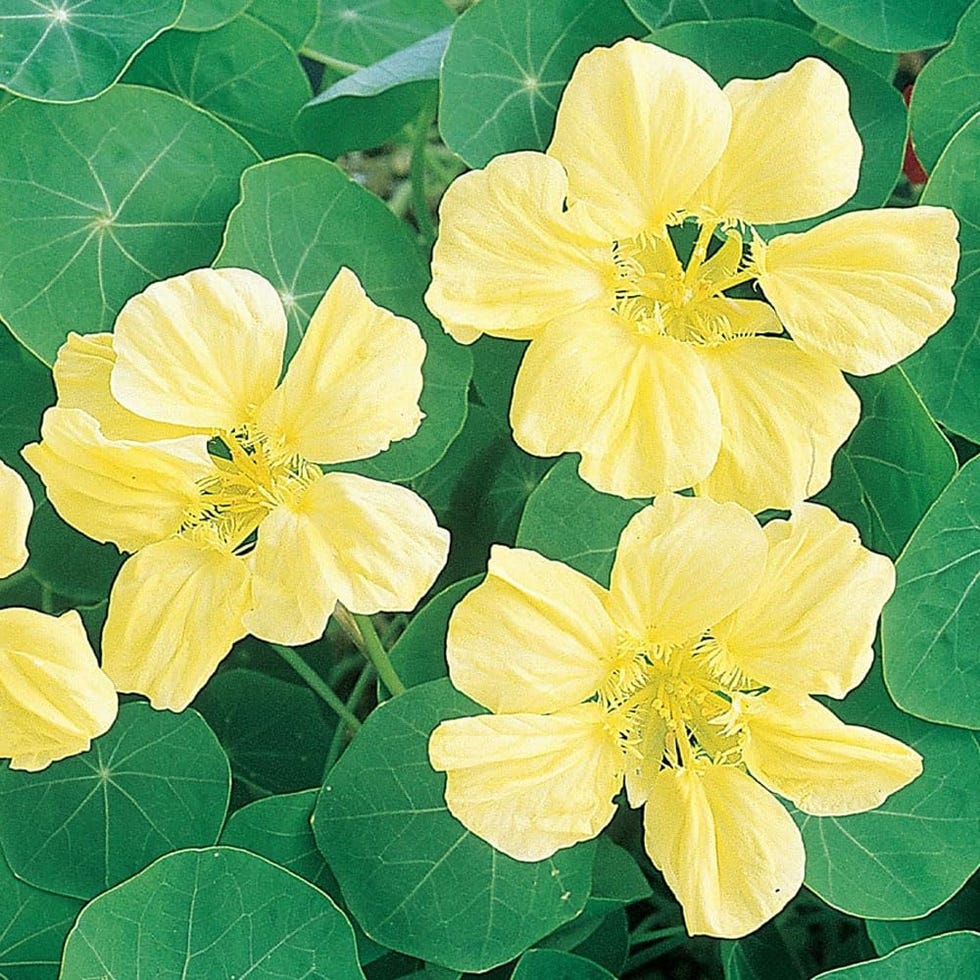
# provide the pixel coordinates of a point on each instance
(803, 751)
(353, 386)
(509, 258)
(810, 624)
(729, 850)
(203, 349)
(638, 129)
(530, 784)
(17, 508)
(866, 288)
(53, 698)
(81, 375)
(534, 636)
(783, 416)
(129, 493)
(639, 409)
(793, 151)
(682, 565)
(370, 544)
(174, 612)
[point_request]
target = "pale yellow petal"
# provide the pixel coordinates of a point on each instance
(202, 349)
(129, 493)
(509, 258)
(81, 376)
(803, 751)
(638, 129)
(53, 698)
(783, 416)
(534, 636)
(530, 784)
(353, 386)
(866, 288)
(682, 565)
(729, 850)
(793, 151)
(638, 408)
(810, 625)
(174, 612)
(17, 508)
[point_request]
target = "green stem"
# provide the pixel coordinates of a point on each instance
(318, 685)
(420, 144)
(47, 599)
(375, 652)
(357, 692)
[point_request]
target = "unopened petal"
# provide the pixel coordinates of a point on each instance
(867, 288)
(530, 784)
(17, 508)
(729, 850)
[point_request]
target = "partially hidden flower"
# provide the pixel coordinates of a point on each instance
(174, 438)
(16, 508)
(654, 370)
(691, 679)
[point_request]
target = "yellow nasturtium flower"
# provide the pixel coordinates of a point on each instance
(691, 679)
(53, 698)
(174, 438)
(648, 368)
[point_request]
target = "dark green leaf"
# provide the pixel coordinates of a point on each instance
(616, 877)
(27, 390)
(954, 955)
(555, 964)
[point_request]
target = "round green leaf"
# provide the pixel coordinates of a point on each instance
(299, 220)
(946, 371)
(206, 15)
(100, 199)
(556, 964)
(70, 50)
(292, 21)
(930, 626)
(414, 878)
(154, 782)
(506, 65)
(899, 25)
(660, 13)
(954, 955)
(244, 73)
(209, 913)
(27, 390)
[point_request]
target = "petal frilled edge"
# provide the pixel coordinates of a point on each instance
(203, 349)
(509, 257)
(17, 508)
(639, 409)
(729, 850)
(534, 636)
(530, 784)
(353, 386)
(637, 130)
(867, 288)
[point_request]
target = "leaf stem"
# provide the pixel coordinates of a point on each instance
(353, 699)
(420, 144)
(375, 652)
(318, 685)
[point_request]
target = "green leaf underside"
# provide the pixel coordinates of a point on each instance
(414, 877)
(209, 913)
(75, 49)
(954, 955)
(206, 15)
(153, 783)
(300, 219)
(102, 198)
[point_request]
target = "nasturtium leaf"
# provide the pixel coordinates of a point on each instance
(556, 964)
(153, 783)
(102, 198)
(209, 913)
(495, 364)
(893, 466)
(660, 13)
(244, 73)
(206, 15)
(33, 926)
(757, 48)
(616, 877)
(931, 624)
(955, 954)
(292, 21)
(884, 63)
(946, 371)
(274, 732)
(71, 50)
(27, 390)
(299, 220)
(506, 65)
(899, 25)
(609, 944)
(414, 878)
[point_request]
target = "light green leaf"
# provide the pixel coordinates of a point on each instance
(556, 964)
(102, 198)
(660, 13)
(293, 21)
(506, 65)
(153, 783)
(206, 15)
(416, 880)
(299, 220)
(954, 955)
(70, 50)
(209, 913)
(930, 626)
(960, 912)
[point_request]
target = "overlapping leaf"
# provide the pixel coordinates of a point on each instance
(206, 15)
(941, 956)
